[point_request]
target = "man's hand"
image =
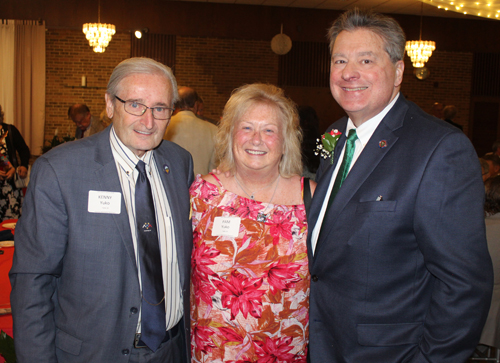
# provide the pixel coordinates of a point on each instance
(22, 171)
(219, 172)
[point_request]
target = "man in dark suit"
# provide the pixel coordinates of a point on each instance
(82, 274)
(400, 270)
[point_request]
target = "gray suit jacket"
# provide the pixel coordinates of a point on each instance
(75, 289)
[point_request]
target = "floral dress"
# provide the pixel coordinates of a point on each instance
(11, 198)
(249, 290)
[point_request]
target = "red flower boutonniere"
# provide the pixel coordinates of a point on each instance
(326, 146)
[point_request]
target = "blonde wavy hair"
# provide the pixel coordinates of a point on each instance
(241, 100)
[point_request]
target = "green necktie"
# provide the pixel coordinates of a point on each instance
(350, 147)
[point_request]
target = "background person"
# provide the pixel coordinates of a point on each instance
(491, 331)
(192, 133)
(84, 286)
(86, 124)
(400, 270)
(250, 282)
(11, 144)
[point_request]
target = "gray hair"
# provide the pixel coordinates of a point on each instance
(385, 27)
(142, 66)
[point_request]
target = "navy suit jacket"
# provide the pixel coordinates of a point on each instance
(407, 278)
(75, 289)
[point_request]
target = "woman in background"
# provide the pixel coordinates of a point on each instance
(11, 144)
(250, 278)
(491, 330)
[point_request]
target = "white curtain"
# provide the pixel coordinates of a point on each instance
(22, 79)
(7, 69)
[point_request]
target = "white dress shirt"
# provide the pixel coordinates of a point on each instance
(126, 161)
(364, 133)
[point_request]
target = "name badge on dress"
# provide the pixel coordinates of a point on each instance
(226, 226)
(104, 202)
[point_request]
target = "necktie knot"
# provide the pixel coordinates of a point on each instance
(352, 135)
(141, 166)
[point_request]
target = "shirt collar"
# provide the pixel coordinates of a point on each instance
(367, 128)
(124, 155)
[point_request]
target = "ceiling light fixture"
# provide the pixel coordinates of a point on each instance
(420, 50)
(281, 43)
(140, 32)
(99, 35)
(481, 9)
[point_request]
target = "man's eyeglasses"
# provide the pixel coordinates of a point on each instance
(138, 109)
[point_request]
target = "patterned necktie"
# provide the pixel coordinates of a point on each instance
(153, 325)
(350, 147)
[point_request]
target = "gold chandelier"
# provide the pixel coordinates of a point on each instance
(420, 50)
(99, 35)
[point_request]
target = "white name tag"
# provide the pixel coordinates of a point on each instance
(226, 226)
(104, 202)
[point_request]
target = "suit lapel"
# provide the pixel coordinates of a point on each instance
(323, 183)
(168, 180)
(380, 143)
(107, 176)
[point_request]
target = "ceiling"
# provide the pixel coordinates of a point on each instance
(408, 7)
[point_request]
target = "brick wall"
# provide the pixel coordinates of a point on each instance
(69, 57)
(449, 83)
(214, 67)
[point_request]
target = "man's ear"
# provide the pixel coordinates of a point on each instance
(400, 68)
(110, 107)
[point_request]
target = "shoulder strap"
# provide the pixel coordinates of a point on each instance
(307, 195)
(10, 146)
(217, 179)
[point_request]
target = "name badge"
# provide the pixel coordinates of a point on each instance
(104, 202)
(226, 226)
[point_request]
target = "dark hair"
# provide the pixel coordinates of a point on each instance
(494, 158)
(309, 123)
(1, 115)
(495, 146)
(492, 197)
(187, 98)
(385, 27)
(77, 109)
(449, 112)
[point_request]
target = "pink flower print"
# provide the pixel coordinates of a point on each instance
(208, 191)
(202, 339)
(282, 276)
(200, 260)
(274, 350)
(247, 209)
(281, 226)
(241, 294)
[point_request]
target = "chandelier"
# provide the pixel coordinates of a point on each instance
(99, 35)
(420, 50)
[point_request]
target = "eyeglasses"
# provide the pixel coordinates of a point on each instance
(138, 109)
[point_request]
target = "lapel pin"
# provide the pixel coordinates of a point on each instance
(382, 144)
(166, 168)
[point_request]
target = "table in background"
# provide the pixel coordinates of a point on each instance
(5, 265)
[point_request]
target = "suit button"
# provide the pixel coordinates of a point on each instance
(125, 351)
(134, 310)
(314, 278)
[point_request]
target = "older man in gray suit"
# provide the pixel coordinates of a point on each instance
(101, 267)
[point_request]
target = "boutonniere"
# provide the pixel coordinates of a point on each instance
(326, 145)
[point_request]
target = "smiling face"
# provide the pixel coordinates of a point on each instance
(140, 133)
(363, 80)
(258, 139)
